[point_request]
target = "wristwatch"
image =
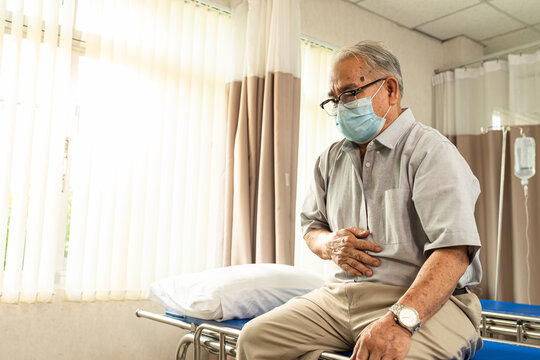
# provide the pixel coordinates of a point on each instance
(406, 316)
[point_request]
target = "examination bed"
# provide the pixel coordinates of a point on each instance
(519, 321)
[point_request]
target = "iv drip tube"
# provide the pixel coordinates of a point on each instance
(526, 194)
(499, 224)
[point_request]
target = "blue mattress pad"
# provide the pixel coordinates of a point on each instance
(235, 323)
(510, 308)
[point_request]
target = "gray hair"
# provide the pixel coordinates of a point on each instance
(378, 59)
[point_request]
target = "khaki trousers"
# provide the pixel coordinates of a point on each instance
(332, 318)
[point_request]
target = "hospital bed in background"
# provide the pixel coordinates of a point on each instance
(520, 321)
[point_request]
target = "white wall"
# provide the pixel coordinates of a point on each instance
(459, 50)
(100, 330)
(110, 330)
(342, 23)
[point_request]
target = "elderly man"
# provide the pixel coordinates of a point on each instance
(392, 207)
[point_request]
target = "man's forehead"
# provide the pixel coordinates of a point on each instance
(347, 74)
(350, 65)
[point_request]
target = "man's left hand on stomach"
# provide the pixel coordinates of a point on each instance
(382, 339)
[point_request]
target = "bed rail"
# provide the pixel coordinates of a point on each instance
(221, 340)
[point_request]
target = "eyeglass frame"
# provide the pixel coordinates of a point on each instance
(352, 92)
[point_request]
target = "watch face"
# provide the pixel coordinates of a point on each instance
(408, 317)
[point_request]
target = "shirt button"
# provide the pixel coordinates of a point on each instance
(368, 164)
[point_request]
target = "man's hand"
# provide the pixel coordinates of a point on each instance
(382, 339)
(346, 248)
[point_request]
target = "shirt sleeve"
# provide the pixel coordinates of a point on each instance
(313, 215)
(444, 194)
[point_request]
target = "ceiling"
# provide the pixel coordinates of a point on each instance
(496, 24)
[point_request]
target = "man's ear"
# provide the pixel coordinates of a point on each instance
(392, 86)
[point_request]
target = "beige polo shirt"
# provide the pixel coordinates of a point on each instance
(414, 192)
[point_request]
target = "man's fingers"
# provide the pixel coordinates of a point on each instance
(348, 268)
(375, 351)
(362, 244)
(355, 351)
(359, 267)
(363, 353)
(374, 356)
(359, 233)
(348, 251)
(362, 257)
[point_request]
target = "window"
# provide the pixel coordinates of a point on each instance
(134, 109)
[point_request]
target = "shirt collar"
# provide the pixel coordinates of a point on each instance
(391, 135)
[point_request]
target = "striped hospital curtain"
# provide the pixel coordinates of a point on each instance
(35, 63)
(148, 146)
(317, 132)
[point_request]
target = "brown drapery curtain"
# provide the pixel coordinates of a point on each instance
(483, 153)
(262, 135)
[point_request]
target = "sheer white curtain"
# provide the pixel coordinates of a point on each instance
(35, 66)
(499, 92)
(148, 157)
(467, 99)
(317, 132)
(524, 85)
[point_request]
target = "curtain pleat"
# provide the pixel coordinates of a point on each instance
(498, 93)
(262, 133)
(22, 209)
(61, 112)
(10, 72)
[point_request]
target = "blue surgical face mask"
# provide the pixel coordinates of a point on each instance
(357, 120)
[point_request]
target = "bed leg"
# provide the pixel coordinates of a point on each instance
(519, 335)
(183, 345)
(222, 350)
(483, 327)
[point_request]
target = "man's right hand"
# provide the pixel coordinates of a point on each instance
(346, 247)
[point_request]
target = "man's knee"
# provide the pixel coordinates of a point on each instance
(249, 331)
(251, 334)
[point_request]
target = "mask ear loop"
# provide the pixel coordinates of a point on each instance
(376, 92)
(380, 87)
(386, 113)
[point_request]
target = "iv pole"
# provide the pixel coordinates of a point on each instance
(504, 130)
(499, 224)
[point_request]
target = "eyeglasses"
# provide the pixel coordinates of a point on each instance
(347, 98)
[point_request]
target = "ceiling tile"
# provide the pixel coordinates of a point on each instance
(412, 13)
(526, 10)
(510, 40)
(478, 22)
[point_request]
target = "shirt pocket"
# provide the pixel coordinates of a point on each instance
(398, 211)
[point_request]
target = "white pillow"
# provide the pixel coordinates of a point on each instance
(233, 292)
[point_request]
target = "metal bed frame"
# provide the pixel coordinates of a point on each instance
(218, 339)
(522, 322)
(215, 339)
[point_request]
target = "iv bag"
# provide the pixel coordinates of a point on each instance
(524, 151)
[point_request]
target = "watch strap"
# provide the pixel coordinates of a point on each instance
(396, 309)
